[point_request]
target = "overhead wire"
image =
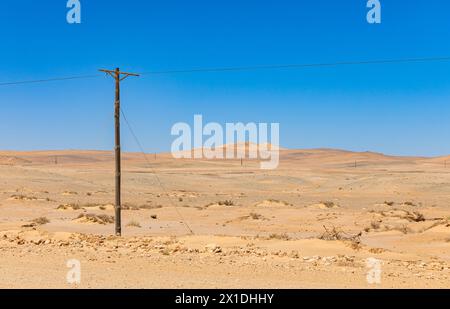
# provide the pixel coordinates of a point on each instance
(136, 139)
(241, 68)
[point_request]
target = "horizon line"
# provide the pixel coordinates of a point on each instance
(281, 149)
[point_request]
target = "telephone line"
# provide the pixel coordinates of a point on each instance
(294, 66)
(138, 143)
(37, 81)
(242, 69)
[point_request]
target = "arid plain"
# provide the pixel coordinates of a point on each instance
(311, 223)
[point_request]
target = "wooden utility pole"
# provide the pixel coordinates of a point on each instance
(118, 76)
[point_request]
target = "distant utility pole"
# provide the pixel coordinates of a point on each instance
(118, 76)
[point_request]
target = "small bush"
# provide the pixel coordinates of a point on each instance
(134, 224)
(409, 204)
(22, 197)
(226, 203)
(106, 218)
(375, 225)
(41, 221)
(256, 216)
(71, 206)
(280, 236)
(333, 233)
(100, 219)
(328, 204)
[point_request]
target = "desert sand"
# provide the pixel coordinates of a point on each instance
(311, 223)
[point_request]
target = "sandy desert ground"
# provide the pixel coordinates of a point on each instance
(312, 223)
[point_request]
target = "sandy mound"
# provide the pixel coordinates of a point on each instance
(406, 222)
(70, 207)
(12, 160)
(272, 203)
(21, 197)
(325, 205)
(221, 204)
(108, 207)
(94, 219)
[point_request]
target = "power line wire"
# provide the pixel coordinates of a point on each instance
(48, 80)
(243, 68)
(294, 66)
(154, 172)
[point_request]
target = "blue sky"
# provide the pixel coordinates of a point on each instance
(400, 109)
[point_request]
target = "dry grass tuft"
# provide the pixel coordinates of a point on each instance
(100, 219)
(411, 216)
(134, 223)
(226, 203)
(135, 207)
(333, 233)
(41, 221)
(409, 204)
(21, 197)
(256, 216)
(69, 206)
(284, 237)
(328, 204)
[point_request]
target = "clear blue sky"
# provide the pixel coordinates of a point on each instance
(401, 109)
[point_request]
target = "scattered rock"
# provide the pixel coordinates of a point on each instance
(213, 248)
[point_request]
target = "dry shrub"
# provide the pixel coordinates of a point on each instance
(41, 221)
(409, 204)
(404, 214)
(70, 193)
(279, 202)
(71, 206)
(256, 216)
(140, 207)
(134, 223)
(226, 203)
(100, 219)
(328, 204)
(90, 205)
(106, 218)
(333, 233)
(375, 225)
(280, 236)
(21, 197)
